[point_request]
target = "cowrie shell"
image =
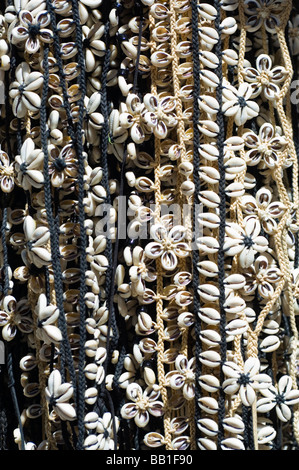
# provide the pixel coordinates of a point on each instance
(234, 425)
(208, 426)
(234, 304)
(153, 439)
(183, 26)
(209, 104)
(161, 59)
(210, 337)
(204, 443)
(269, 344)
(208, 292)
(209, 59)
(208, 268)
(235, 281)
(208, 12)
(209, 78)
(210, 358)
(66, 27)
(91, 442)
(184, 49)
(91, 395)
(209, 174)
(266, 434)
(209, 151)
(235, 189)
(209, 198)
(207, 244)
(208, 404)
(187, 188)
(208, 34)
(208, 128)
(236, 327)
(208, 219)
(270, 327)
(232, 443)
(91, 420)
(228, 25)
(129, 49)
(209, 315)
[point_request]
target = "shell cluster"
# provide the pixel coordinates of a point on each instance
(149, 281)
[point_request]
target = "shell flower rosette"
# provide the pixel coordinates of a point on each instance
(265, 79)
(266, 147)
(24, 90)
(167, 245)
(142, 405)
(32, 30)
(246, 380)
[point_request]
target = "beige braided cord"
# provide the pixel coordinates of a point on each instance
(187, 223)
(159, 293)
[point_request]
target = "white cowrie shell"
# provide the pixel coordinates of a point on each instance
(269, 344)
(129, 49)
(208, 128)
(234, 143)
(207, 244)
(209, 78)
(208, 292)
(208, 426)
(161, 59)
(209, 151)
(208, 34)
(235, 281)
(208, 12)
(210, 337)
(153, 439)
(144, 184)
(208, 219)
(234, 304)
(208, 404)
(234, 166)
(186, 169)
(270, 327)
(185, 320)
(234, 425)
(209, 104)
(210, 358)
(91, 420)
(204, 443)
(184, 49)
(236, 327)
(266, 434)
(230, 56)
(209, 315)
(235, 189)
(209, 174)
(232, 443)
(91, 442)
(208, 268)
(91, 395)
(209, 59)
(65, 27)
(209, 199)
(187, 188)
(159, 11)
(210, 383)
(228, 25)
